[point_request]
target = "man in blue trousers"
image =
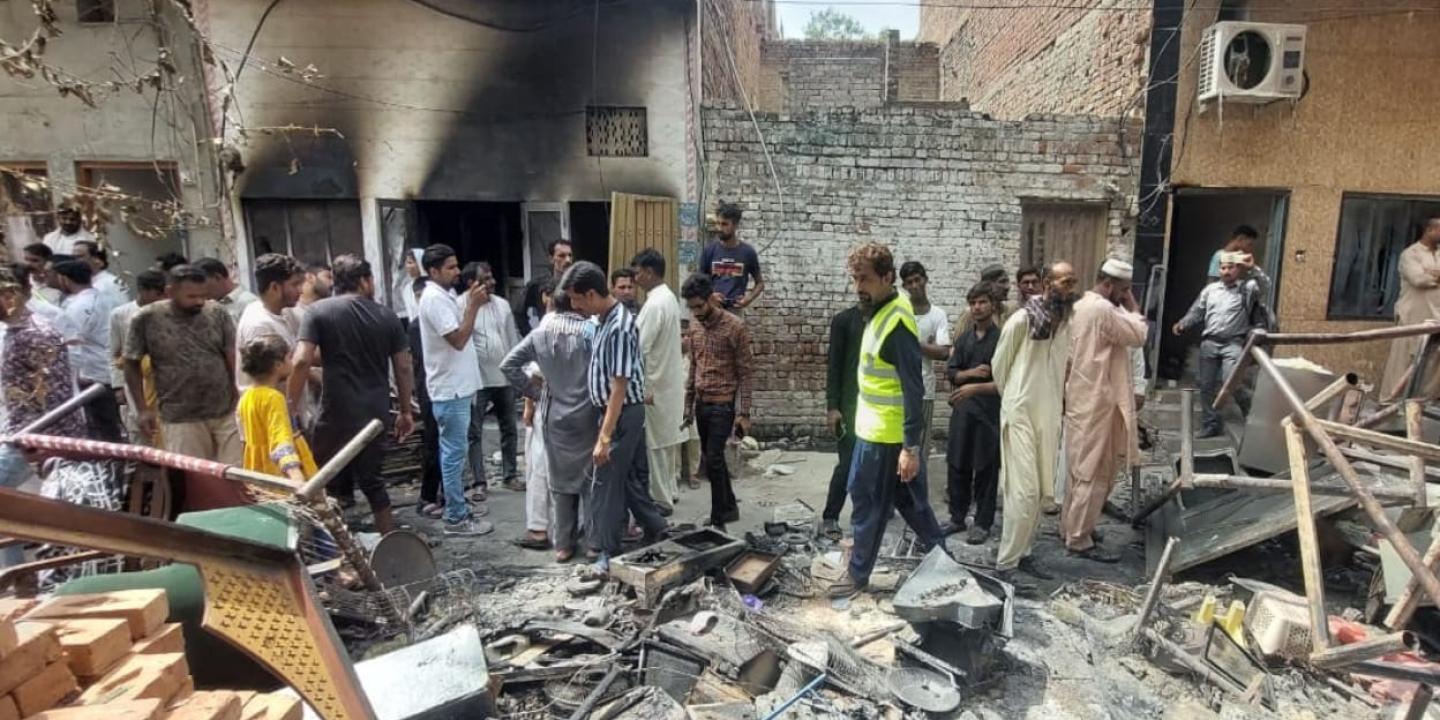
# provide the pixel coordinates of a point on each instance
(885, 469)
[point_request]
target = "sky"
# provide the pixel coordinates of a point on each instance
(903, 15)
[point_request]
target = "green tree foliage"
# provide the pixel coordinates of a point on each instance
(831, 24)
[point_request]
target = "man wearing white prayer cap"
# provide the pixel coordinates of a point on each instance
(1100, 425)
(1226, 311)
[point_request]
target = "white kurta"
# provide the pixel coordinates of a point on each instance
(1030, 375)
(1419, 301)
(659, 325)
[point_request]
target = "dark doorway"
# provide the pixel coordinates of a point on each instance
(1202, 222)
(486, 231)
(590, 232)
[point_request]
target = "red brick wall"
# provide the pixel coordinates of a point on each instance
(745, 24)
(1086, 58)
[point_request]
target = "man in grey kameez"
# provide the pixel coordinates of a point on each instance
(560, 347)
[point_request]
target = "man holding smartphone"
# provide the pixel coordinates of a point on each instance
(718, 388)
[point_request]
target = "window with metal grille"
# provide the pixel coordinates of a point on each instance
(616, 132)
(95, 11)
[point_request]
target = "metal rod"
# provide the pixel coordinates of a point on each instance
(1413, 432)
(44, 520)
(1428, 327)
(1424, 674)
(10, 575)
(1234, 379)
(1418, 705)
(1372, 507)
(1187, 434)
(1343, 655)
(63, 409)
(593, 698)
(1192, 663)
(1380, 416)
(316, 485)
(777, 712)
(1152, 596)
(1311, 569)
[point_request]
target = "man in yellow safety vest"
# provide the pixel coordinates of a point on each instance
(885, 469)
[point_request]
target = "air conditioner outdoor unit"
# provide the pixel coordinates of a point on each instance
(1244, 62)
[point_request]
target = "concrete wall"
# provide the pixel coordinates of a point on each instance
(1085, 57)
(940, 185)
(40, 126)
(797, 75)
(1362, 127)
(435, 107)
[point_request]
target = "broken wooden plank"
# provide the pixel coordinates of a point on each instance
(1311, 569)
(44, 691)
(144, 610)
(91, 645)
(1232, 522)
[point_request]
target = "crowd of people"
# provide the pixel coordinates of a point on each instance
(615, 384)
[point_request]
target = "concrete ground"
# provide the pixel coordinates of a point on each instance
(759, 494)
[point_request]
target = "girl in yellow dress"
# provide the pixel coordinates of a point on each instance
(271, 444)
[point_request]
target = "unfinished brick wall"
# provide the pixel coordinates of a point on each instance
(1085, 58)
(800, 75)
(939, 184)
(745, 24)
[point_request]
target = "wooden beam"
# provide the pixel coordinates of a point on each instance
(1319, 433)
(1309, 539)
(1404, 446)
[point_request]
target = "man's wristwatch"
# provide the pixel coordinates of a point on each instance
(913, 450)
(605, 439)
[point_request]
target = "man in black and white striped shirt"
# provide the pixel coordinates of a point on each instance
(616, 383)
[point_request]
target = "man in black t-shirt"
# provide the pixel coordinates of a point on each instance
(974, 453)
(361, 342)
(732, 263)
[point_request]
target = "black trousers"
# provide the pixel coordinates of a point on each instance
(500, 401)
(973, 462)
(363, 473)
(102, 415)
(621, 486)
(429, 454)
(840, 477)
(716, 423)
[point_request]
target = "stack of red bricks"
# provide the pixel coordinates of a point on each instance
(110, 656)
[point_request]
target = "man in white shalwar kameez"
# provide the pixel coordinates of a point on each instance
(1419, 302)
(1099, 403)
(659, 325)
(1029, 371)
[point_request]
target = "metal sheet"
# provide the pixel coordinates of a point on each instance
(402, 557)
(942, 589)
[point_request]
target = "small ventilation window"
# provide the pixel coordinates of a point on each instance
(94, 12)
(616, 132)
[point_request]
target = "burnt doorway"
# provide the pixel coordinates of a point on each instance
(590, 231)
(491, 232)
(1203, 220)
